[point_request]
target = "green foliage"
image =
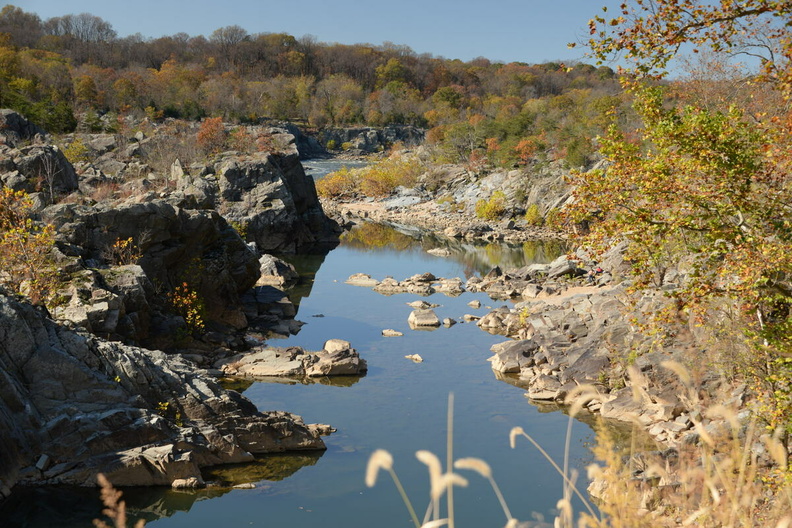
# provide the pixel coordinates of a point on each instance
(492, 209)
(77, 151)
(332, 144)
(533, 216)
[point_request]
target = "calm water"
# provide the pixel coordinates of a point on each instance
(399, 406)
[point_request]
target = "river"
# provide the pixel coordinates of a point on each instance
(400, 406)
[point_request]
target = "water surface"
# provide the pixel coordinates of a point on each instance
(400, 406)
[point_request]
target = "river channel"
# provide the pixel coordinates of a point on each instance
(400, 406)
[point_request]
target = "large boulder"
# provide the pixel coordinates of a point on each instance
(73, 405)
(37, 168)
(271, 196)
(176, 246)
(14, 127)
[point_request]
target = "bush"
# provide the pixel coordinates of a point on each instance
(212, 135)
(343, 183)
(332, 144)
(26, 249)
(492, 209)
(376, 180)
(533, 216)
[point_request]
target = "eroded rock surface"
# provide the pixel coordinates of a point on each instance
(74, 405)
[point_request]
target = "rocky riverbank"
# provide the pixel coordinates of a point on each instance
(446, 197)
(146, 261)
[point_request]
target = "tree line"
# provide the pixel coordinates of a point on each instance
(72, 65)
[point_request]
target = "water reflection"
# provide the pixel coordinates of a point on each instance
(477, 257)
(242, 384)
(72, 507)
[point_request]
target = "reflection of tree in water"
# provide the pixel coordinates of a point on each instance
(370, 236)
(242, 384)
(626, 437)
(477, 257)
(267, 467)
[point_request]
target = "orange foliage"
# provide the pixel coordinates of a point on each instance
(212, 135)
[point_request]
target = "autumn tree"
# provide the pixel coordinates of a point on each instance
(707, 185)
(23, 28)
(228, 40)
(212, 135)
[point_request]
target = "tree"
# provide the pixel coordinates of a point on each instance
(707, 184)
(653, 32)
(338, 100)
(84, 36)
(228, 39)
(23, 28)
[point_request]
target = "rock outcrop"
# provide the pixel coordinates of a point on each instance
(14, 127)
(337, 358)
(175, 246)
(73, 405)
(369, 140)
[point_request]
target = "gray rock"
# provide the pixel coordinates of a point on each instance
(138, 416)
(338, 358)
(276, 272)
(362, 279)
(423, 318)
(270, 194)
(513, 356)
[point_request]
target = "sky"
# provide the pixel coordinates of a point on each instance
(531, 31)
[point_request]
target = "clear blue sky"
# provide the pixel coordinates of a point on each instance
(531, 31)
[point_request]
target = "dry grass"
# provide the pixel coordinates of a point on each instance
(733, 477)
(115, 508)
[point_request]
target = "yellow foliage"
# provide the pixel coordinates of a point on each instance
(185, 301)
(375, 180)
(25, 248)
(493, 208)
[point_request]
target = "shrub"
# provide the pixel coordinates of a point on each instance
(122, 252)
(553, 219)
(376, 180)
(533, 216)
(25, 248)
(332, 144)
(343, 183)
(492, 209)
(77, 151)
(240, 139)
(185, 301)
(212, 135)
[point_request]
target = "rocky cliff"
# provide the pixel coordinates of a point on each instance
(73, 405)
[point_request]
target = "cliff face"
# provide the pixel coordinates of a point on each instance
(73, 405)
(273, 198)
